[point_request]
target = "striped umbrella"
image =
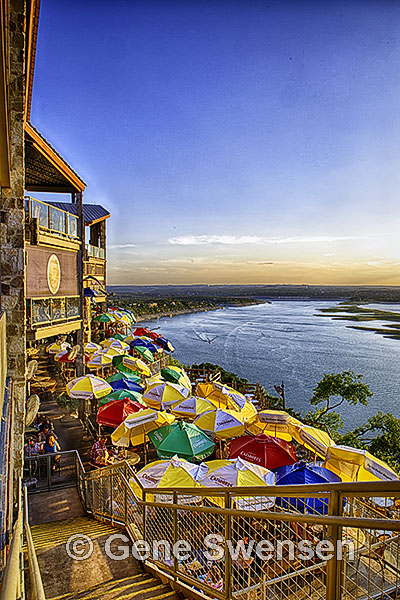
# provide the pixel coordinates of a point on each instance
(57, 347)
(128, 364)
(99, 360)
(192, 407)
(164, 395)
(91, 348)
(87, 387)
(223, 424)
(135, 428)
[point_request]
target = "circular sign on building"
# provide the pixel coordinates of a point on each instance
(53, 274)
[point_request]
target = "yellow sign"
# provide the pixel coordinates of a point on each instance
(53, 274)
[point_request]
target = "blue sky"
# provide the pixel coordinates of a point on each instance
(233, 142)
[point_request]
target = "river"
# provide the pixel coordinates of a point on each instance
(287, 340)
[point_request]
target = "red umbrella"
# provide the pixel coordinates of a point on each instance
(65, 358)
(114, 413)
(141, 331)
(264, 450)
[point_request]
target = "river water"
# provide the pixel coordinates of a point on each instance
(289, 341)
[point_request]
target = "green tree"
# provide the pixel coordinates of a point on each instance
(380, 435)
(331, 392)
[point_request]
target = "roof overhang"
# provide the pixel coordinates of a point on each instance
(45, 169)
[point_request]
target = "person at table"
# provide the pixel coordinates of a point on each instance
(51, 446)
(31, 448)
(97, 449)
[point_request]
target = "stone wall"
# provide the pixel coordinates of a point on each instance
(12, 235)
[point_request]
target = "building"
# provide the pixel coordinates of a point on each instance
(50, 272)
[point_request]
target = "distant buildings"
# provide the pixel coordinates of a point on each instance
(50, 271)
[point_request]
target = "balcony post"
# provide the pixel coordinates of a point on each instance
(77, 199)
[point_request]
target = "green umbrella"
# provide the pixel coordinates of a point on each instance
(145, 352)
(184, 439)
(119, 337)
(125, 375)
(120, 395)
(104, 318)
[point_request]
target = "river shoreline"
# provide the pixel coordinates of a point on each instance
(158, 315)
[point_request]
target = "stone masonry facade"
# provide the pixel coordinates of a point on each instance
(12, 234)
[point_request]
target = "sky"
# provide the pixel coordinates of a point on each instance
(232, 141)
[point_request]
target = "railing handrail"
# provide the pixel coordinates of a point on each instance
(37, 590)
(51, 206)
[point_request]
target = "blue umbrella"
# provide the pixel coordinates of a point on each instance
(164, 344)
(300, 474)
(126, 384)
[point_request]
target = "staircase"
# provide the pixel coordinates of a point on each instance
(98, 577)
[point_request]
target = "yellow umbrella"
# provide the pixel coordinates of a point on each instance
(164, 394)
(99, 360)
(175, 472)
(313, 439)
(223, 423)
(271, 422)
(111, 351)
(128, 363)
(192, 407)
(237, 473)
(106, 343)
(60, 354)
(57, 347)
(352, 464)
(91, 348)
(135, 428)
(87, 387)
(221, 395)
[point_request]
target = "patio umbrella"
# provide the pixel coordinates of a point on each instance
(87, 387)
(135, 428)
(164, 344)
(91, 348)
(122, 376)
(300, 474)
(164, 394)
(271, 422)
(99, 360)
(104, 318)
(63, 354)
(223, 424)
(224, 396)
(122, 317)
(129, 365)
(126, 384)
(192, 407)
(237, 473)
(175, 472)
(141, 331)
(119, 336)
(352, 464)
(176, 375)
(144, 353)
(182, 439)
(114, 413)
(112, 351)
(264, 450)
(123, 394)
(311, 438)
(107, 342)
(118, 345)
(57, 347)
(153, 335)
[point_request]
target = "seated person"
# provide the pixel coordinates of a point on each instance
(31, 448)
(97, 449)
(51, 446)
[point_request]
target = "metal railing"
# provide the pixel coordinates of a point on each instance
(291, 525)
(13, 582)
(46, 472)
(95, 252)
(54, 220)
(48, 311)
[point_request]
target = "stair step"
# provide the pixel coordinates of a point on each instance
(144, 588)
(46, 535)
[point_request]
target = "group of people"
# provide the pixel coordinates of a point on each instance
(45, 442)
